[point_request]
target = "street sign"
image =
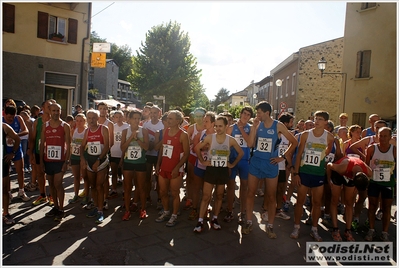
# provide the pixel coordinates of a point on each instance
(283, 105)
(102, 47)
(98, 60)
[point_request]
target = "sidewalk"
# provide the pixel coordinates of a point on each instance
(78, 240)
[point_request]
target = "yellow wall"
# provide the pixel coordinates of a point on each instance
(374, 30)
(25, 41)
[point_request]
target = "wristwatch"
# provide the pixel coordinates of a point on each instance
(283, 156)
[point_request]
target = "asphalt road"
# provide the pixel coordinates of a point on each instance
(77, 240)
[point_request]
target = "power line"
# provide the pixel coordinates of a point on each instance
(102, 10)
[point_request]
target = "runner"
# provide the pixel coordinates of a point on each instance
(217, 169)
(309, 171)
(94, 158)
(55, 150)
(264, 137)
(170, 166)
(381, 157)
(134, 144)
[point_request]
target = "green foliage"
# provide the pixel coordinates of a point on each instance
(235, 111)
(164, 66)
(221, 97)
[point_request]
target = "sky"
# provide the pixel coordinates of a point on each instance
(234, 42)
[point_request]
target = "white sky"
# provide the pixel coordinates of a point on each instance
(234, 42)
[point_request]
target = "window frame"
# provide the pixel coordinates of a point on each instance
(293, 84)
(363, 64)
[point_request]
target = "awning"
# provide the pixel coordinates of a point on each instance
(110, 103)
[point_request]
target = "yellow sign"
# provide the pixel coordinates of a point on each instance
(98, 59)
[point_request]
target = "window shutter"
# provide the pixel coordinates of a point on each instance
(8, 18)
(358, 64)
(72, 31)
(42, 25)
(366, 59)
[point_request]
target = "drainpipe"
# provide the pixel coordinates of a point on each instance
(83, 91)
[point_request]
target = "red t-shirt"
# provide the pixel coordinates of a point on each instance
(172, 150)
(353, 161)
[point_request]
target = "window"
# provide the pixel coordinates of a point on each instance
(49, 25)
(359, 119)
(280, 89)
(293, 83)
(368, 5)
(286, 86)
(363, 64)
(8, 18)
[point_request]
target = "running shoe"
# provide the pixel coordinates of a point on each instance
(93, 213)
(172, 221)
(316, 236)
(270, 233)
(40, 200)
(90, 205)
(341, 209)
(370, 235)
(241, 218)
(50, 201)
(229, 217)
(199, 227)
(265, 216)
(282, 215)
(112, 195)
(309, 220)
(348, 236)
(247, 228)
(52, 212)
(105, 205)
(143, 214)
(100, 217)
(188, 205)
(8, 219)
(384, 236)
(164, 216)
(73, 200)
(82, 194)
(23, 196)
(59, 215)
(327, 222)
(126, 216)
(193, 215)
(379, 215)
(215, 224)
(31, 187)
(295, 233)
(336, 236)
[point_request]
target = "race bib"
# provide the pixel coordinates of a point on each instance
(75, 149)
(118, 136)
(219, 161)
(240, 140)
(167, 150)
(382, 174)
(133, 152)
(94, 148)
(54, 152)
(312, 158)
(330, 158)
(264, 145)
(282, 148)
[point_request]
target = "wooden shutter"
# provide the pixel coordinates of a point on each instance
(358, 64)
(72, 31)
(8, 18)
(366, 59)
(42, 25)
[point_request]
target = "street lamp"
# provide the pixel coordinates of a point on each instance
(321, 65)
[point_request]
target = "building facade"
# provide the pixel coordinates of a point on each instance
(46, 52)
(369, 61)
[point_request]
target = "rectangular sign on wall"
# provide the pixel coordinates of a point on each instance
(98, 60)
(102, 47)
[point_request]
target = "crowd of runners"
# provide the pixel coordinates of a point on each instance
(333, 169)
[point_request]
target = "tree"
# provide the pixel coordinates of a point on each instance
(122, 55)
(164, 66)
(221, 97)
